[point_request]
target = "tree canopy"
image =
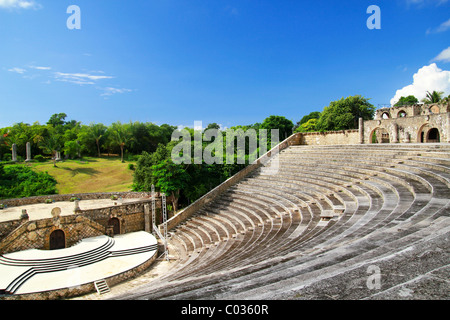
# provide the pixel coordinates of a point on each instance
(409, 100)
(344, 114)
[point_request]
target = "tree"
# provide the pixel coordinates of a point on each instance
(409, 100)
(309, 126)
(120, 135)
(305, 119)
(433, 97)
(284, 126)
(72, 148)
(57, 120)
(171, 179)
(96, 132)
(50, 143)
(344, 114)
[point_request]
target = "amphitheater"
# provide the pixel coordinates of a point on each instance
(316, 229)
(344, 221)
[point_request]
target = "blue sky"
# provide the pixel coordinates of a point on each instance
(232, 62)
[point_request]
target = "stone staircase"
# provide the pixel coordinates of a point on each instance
(314, 229)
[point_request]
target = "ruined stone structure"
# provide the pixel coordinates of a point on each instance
(409, 124)
(23, 234)
(404, 124)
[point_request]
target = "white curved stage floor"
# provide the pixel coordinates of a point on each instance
(92, 259)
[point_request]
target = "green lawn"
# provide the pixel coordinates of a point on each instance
(89, 175)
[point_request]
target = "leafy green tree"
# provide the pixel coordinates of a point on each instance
(72, 148)
(433, 97)
(305, 119)
(57, 120)
(409, 100)
(284, 126)
(309, 126)
(344, 114)
(170, 178)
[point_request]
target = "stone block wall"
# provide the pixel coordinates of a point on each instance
(329, 137)
(82, 196)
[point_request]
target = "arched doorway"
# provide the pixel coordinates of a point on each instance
(433, 135)
(380, 135)
(115, 223)
(57, 240)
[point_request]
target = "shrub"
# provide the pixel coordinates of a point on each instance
(39, 158)
(131, 166)
(18, 181)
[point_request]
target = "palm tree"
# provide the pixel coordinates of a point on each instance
(50, 145)
(434, 97)
(120, 135)
(96, 132)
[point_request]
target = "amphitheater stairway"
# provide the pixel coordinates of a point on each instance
(315, 227)
(91, 259)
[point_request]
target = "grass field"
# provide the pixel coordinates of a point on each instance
(89, 175)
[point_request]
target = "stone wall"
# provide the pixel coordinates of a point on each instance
(330, 137)
(82, 196)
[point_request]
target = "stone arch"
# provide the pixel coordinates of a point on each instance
(421, 133)
(402, 114)
(385, 115)
(433, 135)
(57, 240)
(379, 135)
(434, 109)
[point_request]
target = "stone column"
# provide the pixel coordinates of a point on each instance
(448, 127)
(14, 152)
(361, 131)
(28, 152)
(394, 133)
(147, 222)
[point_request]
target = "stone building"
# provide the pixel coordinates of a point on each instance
(420, 123)
(63, 231)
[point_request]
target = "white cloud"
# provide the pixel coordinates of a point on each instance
(17, 70)
(79, 78)
(40, 68)
(424, 2)
(444, 26)
(443, 56)
(19, 4)
(427, 78)
(110, 91)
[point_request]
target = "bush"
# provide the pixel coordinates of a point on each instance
(18, 181)
(131, 166)
(39, 158)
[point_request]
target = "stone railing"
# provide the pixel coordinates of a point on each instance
(214, 193)
(67, 197)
